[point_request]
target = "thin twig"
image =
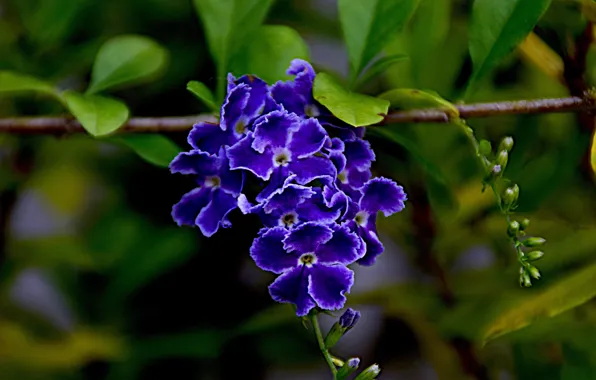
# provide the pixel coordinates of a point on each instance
(62, 125)
(314, 319)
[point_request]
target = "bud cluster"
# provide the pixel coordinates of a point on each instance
(495, 164)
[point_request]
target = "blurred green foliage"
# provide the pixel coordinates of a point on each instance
(119, 292)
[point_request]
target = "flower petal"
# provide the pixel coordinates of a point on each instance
(232, 181)
(356, 178)
(215, 214)
(288, 198)
(359, 154)
(382, 194)
(311, 168)
(342, 248)
(305, 76)
(209, 137)
(284, 93)
(232, 111)
(185, 212)
(374, 247)
(259, 90)
(308, 139)
(328, 284)
(195, 162)
(274, 129)
(307, 237)
(268, 252)
(242, 156)
(314, 209)
(278, 179)
(292, 287)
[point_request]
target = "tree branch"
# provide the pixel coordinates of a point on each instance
(65, 125)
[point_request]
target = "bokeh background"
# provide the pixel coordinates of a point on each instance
(97, 282)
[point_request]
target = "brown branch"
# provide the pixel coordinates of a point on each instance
(62, 125)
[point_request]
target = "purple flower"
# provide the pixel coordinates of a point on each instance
(208, 205)
(356, 171)
(294, 204)
(378, 194)
(296, 95)
(349, 318)
(283, 144)
(311, 260)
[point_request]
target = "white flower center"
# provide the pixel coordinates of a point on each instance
(361, 218)
(288, 219)
(282, 157)
(212, 181)
(307, 259)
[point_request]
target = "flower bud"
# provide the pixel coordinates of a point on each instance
(534, 272)
(502, 159)
(513, 228)
(370, 373)
(510, 196)
(534, 242)
(347, 369)
(524, 278)
(341, 327)
(534, 255)
(506, 144)
(524, 224)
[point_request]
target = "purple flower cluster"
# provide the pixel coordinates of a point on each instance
(314, 190)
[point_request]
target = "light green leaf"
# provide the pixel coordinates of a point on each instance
(126, 60)
(11, 81)
(496, 27)
(369, 25)
(202, 92)
(99, 115)
(355, 109)
(405, 99)
(155, 149)
(379, 66)
(566, 294)
(269, 53)
(228, 24)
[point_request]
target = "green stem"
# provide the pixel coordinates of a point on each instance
(315, 324)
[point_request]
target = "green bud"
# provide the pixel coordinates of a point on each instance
(506, 144)
(534, 255)
(485, 148)
(502, 159)
(524, 224)
(534, 272)
(510, 196)
(524, 278)
(345, 323)
(350, 366)
(334, 335)
(513, 228)
(534, 242)
(370, 373)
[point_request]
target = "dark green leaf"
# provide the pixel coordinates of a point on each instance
(155, 149)
(228, 24)
(355, 109)
(379, 66)
(369, 25)
(126, 60)
(11, 81)
(99, 115)
(202, 92)
(497, 26)
(566, 294)
(269, 52)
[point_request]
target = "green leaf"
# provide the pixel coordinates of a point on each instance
(355, 109)
(11, 81)
(203, 93)
(566, 294)
(405, 99)
(99, 115)
(369, 25)
(269, 52)
(379, 66)
(440, 192)
(496, 27)
(155, 149)
(228, 25)
(126, 60)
